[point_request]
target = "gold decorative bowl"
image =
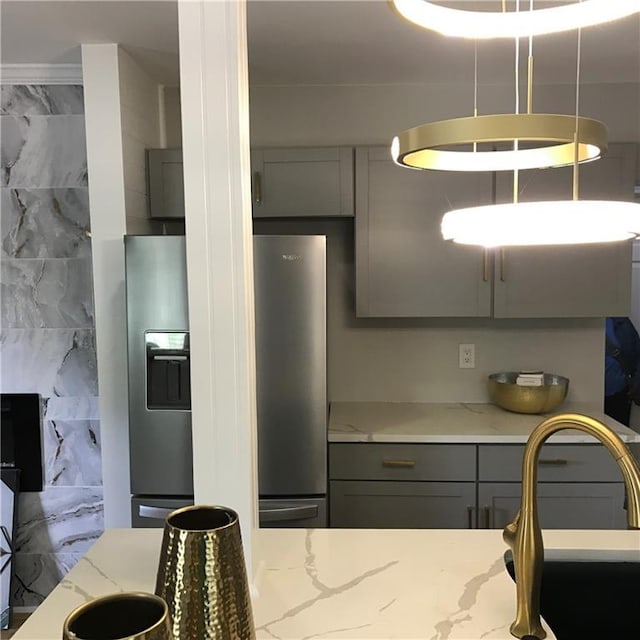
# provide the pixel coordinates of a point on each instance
(504, 392)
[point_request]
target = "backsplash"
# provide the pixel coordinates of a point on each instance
(47, 337)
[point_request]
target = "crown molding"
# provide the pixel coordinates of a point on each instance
(41, 74)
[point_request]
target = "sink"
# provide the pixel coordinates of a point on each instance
(589, 594)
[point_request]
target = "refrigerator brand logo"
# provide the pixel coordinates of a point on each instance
(290, 257)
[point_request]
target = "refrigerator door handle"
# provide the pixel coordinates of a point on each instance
(282, 513)
(145, 511)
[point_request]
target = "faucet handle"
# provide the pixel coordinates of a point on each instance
(510, 531)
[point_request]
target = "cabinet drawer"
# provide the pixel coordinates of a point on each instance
(381, 461)
(557, 463)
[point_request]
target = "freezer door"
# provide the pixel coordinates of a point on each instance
(158, 363)
(290, 303)
(150, 513)
(308, 513)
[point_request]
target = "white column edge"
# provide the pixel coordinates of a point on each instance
(215, 134)
(108, 227)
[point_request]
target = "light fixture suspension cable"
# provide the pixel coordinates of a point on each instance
(576, 179)
(530, 69)
(516, 176)
(475, 87)
(475, 78)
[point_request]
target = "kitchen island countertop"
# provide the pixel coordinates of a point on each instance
(424, 422)
(339, 583)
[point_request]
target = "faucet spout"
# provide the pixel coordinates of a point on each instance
(524, 536)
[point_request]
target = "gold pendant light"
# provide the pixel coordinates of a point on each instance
(557, 222)
(543, 223)
(502, 24)
(550, 139)
(554, 135)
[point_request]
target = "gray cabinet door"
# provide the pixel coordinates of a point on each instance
(568, 281)
(582, 505)
(397, 505)
(302, 182)
(166, 183)
(404, 268)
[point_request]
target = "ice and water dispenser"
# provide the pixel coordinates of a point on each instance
(168, 378)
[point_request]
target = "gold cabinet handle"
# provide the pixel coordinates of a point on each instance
(470, 513)
(257, 187)
(554, 462)
(485, 266)
(399, 464)
(503, 270)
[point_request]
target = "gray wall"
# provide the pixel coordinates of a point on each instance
(416, 360)
(292, 115)
(47, 336)
(395, 360)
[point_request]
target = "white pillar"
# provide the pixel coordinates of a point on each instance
(108, 226)
(215, 136)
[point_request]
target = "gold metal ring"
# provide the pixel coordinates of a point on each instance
(428, 146)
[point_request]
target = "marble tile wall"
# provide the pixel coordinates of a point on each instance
(47, 336)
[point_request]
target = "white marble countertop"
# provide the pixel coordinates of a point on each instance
(418, 422)
(339, 583)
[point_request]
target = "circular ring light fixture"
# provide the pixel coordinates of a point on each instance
(543, 223)
(512, 24)
(421, 147)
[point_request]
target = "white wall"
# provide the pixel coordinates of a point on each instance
(108, 226)
(142, 129)
(418, 360)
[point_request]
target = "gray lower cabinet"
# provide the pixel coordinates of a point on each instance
(381, 485)
(579, 486)
(580, 505)
(402, 505)
(402, 485)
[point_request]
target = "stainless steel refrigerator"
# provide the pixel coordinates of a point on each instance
(290, 304)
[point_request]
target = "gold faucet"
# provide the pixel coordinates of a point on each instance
(523, 535)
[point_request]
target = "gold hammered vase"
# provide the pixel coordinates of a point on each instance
(120, 616)
(202, 575)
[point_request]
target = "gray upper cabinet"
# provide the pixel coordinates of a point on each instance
(302, 182)
(568, 281)
(166, 183)
(404, 268)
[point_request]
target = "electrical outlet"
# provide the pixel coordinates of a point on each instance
(467, 356)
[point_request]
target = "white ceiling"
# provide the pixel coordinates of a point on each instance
(314, 42)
